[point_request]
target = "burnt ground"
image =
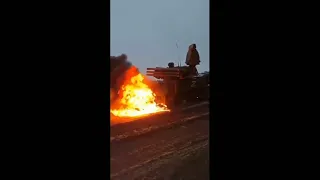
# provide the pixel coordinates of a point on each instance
(172, 146)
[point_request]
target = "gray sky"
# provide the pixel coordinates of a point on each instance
(147, 31)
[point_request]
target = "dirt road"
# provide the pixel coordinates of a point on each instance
(175, 147)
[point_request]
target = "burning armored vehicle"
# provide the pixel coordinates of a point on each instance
(133, 95)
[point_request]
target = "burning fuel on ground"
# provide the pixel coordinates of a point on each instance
(135, 98)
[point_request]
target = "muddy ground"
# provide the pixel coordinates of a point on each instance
(174, 146)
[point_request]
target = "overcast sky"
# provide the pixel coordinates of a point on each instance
(147, 31)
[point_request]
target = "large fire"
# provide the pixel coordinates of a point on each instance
(136, 98)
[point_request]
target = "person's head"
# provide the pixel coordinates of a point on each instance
(192, 46)
(170, 64)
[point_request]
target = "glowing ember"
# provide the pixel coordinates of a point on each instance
(137, 99)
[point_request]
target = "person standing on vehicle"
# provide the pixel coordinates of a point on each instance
(193, 59)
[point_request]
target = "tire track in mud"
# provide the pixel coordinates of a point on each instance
(155, 148)
(151, 128)
(161, 148)
(150, 167)
(162, 155)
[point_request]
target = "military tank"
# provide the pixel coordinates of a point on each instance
(182, 84)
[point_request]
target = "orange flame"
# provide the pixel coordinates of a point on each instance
(136, 98)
